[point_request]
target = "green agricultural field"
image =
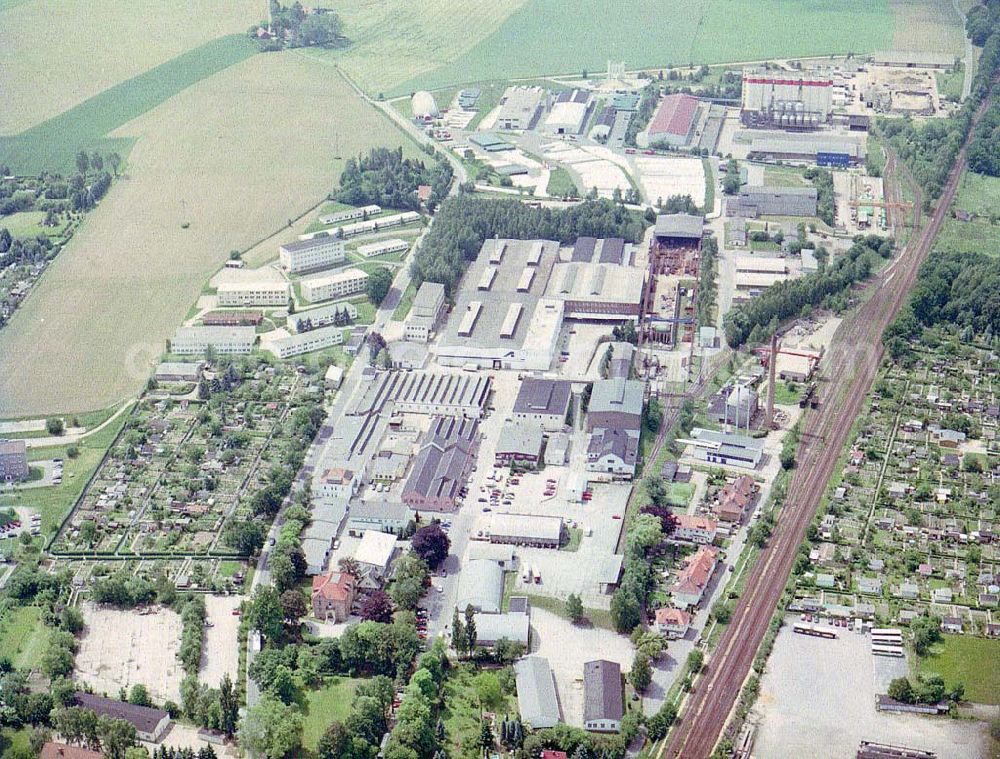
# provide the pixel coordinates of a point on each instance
(99, 318)
(964, 659)
(930, 25)
(53, 143)
(22, 636)
(55, 54)
(322, 706)
(651, 34)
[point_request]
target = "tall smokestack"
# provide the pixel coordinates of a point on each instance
(772, 374)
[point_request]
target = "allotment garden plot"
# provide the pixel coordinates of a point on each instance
(179, 468)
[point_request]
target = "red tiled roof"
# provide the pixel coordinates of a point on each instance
(53, 750)
(674, 116)
(694, 522)
(672, 617)
(336, 586)
(696, 573)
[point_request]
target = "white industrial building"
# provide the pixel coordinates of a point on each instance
(350, 214)
(424, 313)
(366, 226)
(520, 108)
(253, 294)
(338, 285)
(569, 112)
(502, 319)
(307, 255)
(787, 99)
(226, 340)
(383, 247)
(480, 585)
(525, 529)
(283, 344)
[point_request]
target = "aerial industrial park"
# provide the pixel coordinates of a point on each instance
(565, 403)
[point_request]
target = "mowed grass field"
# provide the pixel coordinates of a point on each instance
(54, 143)
(54, 54)
(23, 637)
(234, 156)
(968, 660)
(322, 706)
(566, 36)
(980, 195)
(929, 25)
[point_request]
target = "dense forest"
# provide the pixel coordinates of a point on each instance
(756, 319)
(955, 288)
(464, 222)
(385, 178)
(930, 149)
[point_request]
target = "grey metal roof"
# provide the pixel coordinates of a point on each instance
(602, 691)
(443, 459)
(480, 585)
(428, 296)
(314, 242)
(543, 396)
(390, 510)
(623, 444)
(754, 191)
(536, 692)
(618, 394)
(144, 718)
(679, 225)
(520, 437)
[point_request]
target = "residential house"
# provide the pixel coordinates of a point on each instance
(332, 596)
(52, 750)
(694, 577)
(695, 529)
(672, 623)
(951, 625)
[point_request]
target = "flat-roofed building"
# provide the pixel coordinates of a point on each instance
(383, 247)
(525, 529)
(725, 448)
(520, 108)
(536, 693)
(519, 443)
(253, 294)
(309, 255)
(603, 700)
(226, 340)
(283, 344)
(822, 148)
(338, 285)
(512, 626)
(544, 401)
(616, 404)
(350, 214)
(485, 329)
(375, 552)
(13, 461)
(382, 516)
(424, 312)
(598, 291)
(761, 265)
(913, 59)
(754, 201)
(480, 585)
(335, 314)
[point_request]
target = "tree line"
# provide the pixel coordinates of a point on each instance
(290, 26)
(931, 148)
(757, 318)
(463, 223)
(385, 178)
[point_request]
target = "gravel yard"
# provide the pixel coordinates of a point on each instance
(220, 653)
(568, 647)
(817, 699)
(121, 648)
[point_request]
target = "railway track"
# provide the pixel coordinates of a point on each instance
(852, 364)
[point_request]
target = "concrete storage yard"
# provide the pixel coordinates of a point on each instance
(121, 648)
(220, 653)
(817, 699)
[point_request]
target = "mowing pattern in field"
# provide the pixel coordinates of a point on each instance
(53, 143)
(929, 25)
(978, 195)
(550, 36)
(261, 147)
(54, 54)
(393, 41)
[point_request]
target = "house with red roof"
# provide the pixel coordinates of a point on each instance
(693, 579)
(332, 595)
(695, 529)
(732, 501)
(672, 623)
